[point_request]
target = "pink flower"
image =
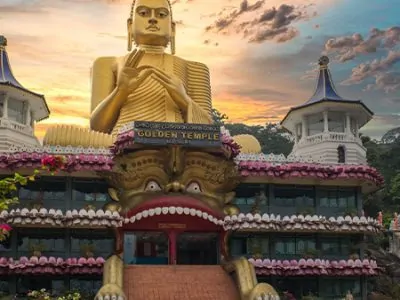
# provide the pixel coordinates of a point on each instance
(5, 227)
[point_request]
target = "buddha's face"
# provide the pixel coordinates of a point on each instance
(152, 23)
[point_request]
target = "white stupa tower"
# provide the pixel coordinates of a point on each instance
(326, 127)
(19, 107)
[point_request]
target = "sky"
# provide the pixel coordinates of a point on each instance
(262, 54)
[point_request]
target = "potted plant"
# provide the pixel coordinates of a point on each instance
(310, 253)
(90, 207)
(307, 211)
(88, 250)
(37, 249)
(255, 248)
(352, 212)
(39, 294)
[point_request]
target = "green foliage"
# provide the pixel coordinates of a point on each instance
(9, 187)
(43, 294)
(273, 138)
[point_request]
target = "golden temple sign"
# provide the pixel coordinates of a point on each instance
(194, 135)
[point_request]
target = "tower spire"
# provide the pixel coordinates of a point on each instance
(325, 89)
(6, 74)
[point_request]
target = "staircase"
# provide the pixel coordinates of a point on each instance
(182, 282)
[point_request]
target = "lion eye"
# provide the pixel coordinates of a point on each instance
(152, 186)
(193, 187)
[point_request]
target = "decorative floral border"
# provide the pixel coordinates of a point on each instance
(52, 217)
(78, 159)
(271, 222)
(51, 265)
(298, 170)
(309, 267)
(73, 162)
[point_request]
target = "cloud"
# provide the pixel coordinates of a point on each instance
(348, 47)
(389, 82)
(269, 24)
(379, 69)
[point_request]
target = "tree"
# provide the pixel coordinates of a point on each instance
(272, 137)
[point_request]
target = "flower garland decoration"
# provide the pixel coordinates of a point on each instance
(9, 186)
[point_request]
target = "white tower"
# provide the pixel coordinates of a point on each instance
(326, 126)
(19, 107)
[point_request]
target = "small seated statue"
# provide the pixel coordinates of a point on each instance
(148, 84)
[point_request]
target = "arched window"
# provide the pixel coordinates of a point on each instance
(341, 154)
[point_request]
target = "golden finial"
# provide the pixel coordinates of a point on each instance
(3, 41)
(323, 62)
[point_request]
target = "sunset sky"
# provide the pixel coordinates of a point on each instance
(262, 54)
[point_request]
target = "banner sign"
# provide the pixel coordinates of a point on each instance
(192, 135)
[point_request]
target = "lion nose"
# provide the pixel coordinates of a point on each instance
(174, 187)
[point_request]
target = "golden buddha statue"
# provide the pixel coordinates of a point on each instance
(148, 84)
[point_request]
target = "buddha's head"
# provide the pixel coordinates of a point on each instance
(150, 23)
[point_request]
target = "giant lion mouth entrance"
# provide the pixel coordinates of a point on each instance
(172, 230)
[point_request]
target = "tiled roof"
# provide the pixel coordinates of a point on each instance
(178, 283)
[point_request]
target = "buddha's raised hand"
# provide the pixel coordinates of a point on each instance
(130, 76)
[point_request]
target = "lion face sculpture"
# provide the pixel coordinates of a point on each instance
(143, 175)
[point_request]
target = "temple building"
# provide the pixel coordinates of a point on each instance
(297, 221)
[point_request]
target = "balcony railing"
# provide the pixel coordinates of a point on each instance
(5, 123)
(328, 137)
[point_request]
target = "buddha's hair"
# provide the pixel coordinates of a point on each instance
(133, 6)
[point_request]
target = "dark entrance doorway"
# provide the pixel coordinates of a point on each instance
(197, 248)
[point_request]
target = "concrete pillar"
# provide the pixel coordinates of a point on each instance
(5, 107)
(348, 124)
(326, 124)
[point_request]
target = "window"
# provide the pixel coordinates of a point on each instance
(86, 286)
(299, 287)
(4, 286)
(44, 242)
(341, 154)
(44, 192)
(290, 247)
(343, 198)
(246, 194)
(336, 122)
(90, 192)
(50, 283)
(16, 111)
(91, 243)
(293, 196)
(285, 246)
(336, 247)
(146, 248)
(315, 124)
(238, 246)
(336, 288)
